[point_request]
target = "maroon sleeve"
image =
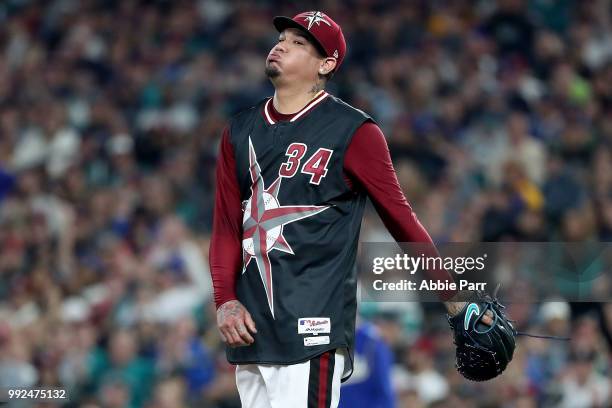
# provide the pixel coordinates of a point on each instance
(368, 163)
(225, 246)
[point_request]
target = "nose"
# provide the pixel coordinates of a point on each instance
(279, 47)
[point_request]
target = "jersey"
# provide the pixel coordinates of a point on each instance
(300, 232)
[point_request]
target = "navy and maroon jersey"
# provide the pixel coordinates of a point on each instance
(299, 233)
(290, 197)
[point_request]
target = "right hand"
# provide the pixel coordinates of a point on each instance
(235, 323)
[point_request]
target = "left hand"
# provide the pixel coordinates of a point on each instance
(455, 308)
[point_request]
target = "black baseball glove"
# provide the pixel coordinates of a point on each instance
(483, 351)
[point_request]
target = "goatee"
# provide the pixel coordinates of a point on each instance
(272, 72)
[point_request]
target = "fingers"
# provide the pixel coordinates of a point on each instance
(244, 334)
(233, 320)
(229, 334)
(238, 339)
(226, 337)
(487, 318)
(232, 338)
(249, 322)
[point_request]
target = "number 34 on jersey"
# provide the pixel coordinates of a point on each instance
(315, 165)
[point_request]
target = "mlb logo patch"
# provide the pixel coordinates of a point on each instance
(314, 325)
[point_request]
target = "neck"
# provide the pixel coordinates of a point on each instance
(289, 100)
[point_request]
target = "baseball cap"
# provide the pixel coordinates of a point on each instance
(319, 28)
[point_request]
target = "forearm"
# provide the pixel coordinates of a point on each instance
(225, 262)
(225, 255)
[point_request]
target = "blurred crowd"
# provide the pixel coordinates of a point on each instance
(499, 119)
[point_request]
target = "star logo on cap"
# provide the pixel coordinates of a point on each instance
(315, 17)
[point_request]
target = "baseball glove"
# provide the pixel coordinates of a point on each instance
(483, 351)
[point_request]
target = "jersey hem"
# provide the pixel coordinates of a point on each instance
(298, 361)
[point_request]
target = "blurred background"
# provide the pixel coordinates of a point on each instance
(499, 119)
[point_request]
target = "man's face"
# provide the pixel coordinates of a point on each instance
(293, 58)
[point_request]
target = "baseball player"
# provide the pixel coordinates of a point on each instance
(293, 174)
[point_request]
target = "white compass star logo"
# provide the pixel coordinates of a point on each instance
(315, 17)
(263, 221)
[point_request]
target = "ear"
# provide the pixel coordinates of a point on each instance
(327, 65)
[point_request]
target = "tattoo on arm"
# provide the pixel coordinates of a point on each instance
(230, 309)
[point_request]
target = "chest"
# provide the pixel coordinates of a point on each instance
(305, 158)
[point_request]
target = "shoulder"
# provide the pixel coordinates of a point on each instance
(246, 114)
(368, 138)
(338, 104)
(243, 121)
